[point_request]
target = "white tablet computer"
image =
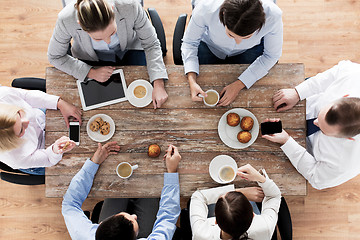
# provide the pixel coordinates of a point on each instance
(94, 94)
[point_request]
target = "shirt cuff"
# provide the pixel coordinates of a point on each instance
(191, 66)
(247, 78)
(90, 167)
(51, 101)
(54, 158)
(289, 148)
(303, 90)
(158, 75)
(171, 178)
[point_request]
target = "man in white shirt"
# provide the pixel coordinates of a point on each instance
(232, 31)
(333, 101)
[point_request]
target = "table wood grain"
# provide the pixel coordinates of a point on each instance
(189, 125)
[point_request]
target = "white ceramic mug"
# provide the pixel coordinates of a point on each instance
(211, 91)
(227, 168)
(129, 168)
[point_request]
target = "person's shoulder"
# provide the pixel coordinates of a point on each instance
(68, 12)
(207, 8)
(121, 4)
(348, 64)
(272, 11)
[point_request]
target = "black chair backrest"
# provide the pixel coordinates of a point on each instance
(11, 175)
(177, 38)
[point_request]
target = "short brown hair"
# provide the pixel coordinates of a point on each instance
(242, 17)
(234, 214)
(94, 15)
(8, 138)
(345, 113)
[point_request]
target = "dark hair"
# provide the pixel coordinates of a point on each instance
(345, 113)
(242, 17)
(234, 214)
(115, 227)
(94, 15)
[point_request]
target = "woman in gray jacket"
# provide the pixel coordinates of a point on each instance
(106, 34)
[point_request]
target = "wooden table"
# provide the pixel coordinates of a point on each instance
(189, 125)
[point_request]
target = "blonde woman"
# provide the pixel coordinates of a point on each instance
(22, 129)
(106, 34)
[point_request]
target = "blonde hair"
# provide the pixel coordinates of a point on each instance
(94, 15)
(8, 139)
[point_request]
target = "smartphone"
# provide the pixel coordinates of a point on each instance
(271, 127)
(74, 132)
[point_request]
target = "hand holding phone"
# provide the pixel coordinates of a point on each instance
(271, 127)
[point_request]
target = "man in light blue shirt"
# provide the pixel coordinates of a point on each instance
(232, 31)
(121, 225)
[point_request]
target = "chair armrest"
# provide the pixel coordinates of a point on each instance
(23, 179)
(177, 38)
(30, 83)
(156, 22)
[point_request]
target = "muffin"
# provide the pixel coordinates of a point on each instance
(233, 119)
(244, 136)
(154, 150)
(247, 123)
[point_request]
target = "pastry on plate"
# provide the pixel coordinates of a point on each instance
(244, 136)
(94, 126)
(99, 120)
(233, 119)
(154, 150)
(247, 123)
(105, 128)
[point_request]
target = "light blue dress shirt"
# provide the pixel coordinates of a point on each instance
(107, 52)
(205, 26)
(80, 227)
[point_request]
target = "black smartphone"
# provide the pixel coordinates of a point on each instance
(271, 127)
(74, 132)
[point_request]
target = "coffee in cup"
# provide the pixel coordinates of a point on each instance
(227, 174)
(212, 98)
(124, 170)
(140, 91)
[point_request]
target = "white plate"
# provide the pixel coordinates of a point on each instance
(228, 134)
(97, 136)
(140, 102)
(217, 163)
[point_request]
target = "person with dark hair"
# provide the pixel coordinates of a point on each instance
(332, 149)
(232, 32)
(236, 217)
(103, 34)
(121, 225)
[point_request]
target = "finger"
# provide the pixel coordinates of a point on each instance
(158, 103)
(154, 103)
(176, 151)
(113, 153)
(277, 96)
(278, 103)
(203, 93)
(169, 151)
(284, 108)
(197, 99)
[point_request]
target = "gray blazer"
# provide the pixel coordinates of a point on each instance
(134, 30)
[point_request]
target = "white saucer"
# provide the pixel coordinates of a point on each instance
(140, 102)
(217, 163)
(97, 136)
(228, 134)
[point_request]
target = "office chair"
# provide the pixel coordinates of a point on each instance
(17, 177)
(30, 83)
(284, 223)
(154, 18)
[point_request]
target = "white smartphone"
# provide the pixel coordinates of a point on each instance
(74, 132)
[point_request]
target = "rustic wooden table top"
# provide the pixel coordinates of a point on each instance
(191, 126)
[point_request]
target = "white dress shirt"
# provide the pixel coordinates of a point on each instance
(31, 153)
(205, 26)
(329, 161)
(262, 226)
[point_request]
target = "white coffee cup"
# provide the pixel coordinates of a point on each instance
(212, 95)
(124, 170)
(140, 91)
(227, 174)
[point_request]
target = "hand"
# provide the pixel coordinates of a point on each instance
(172, 158)
(230, 92)
(159, 95)
(249, 173)
(254, 194)
(59, 145)
(101, 74)
(69, 110)
(102, 152)
(195, 89)
(285, 99)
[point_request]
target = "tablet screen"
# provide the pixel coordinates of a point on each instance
(96, 93)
